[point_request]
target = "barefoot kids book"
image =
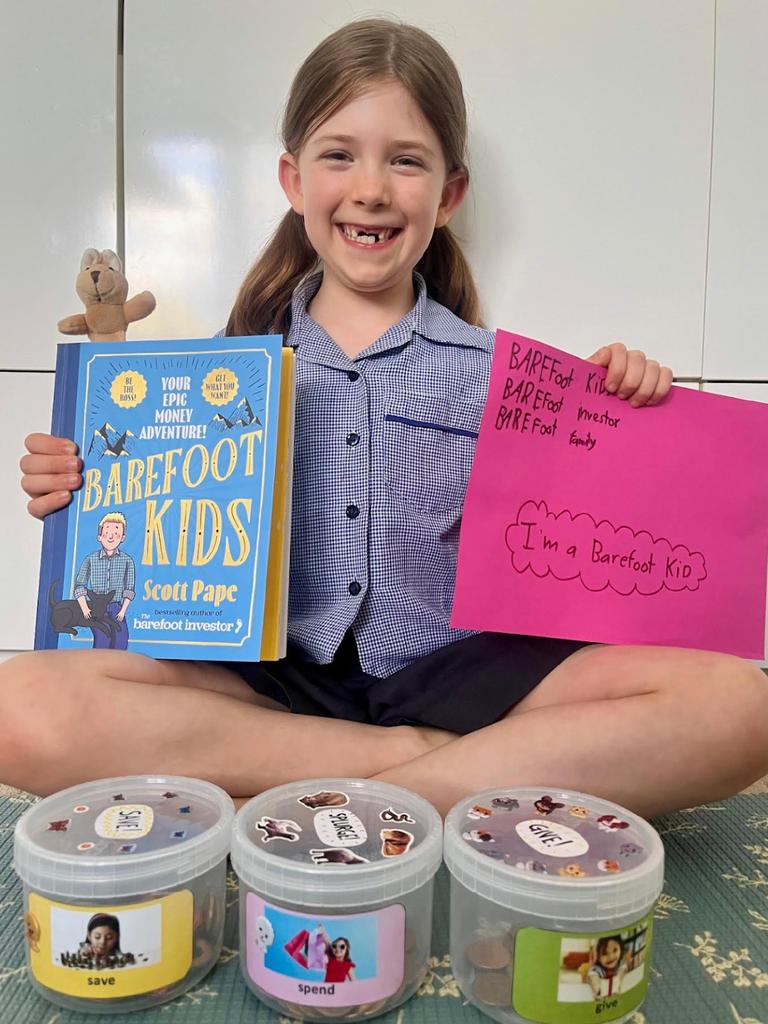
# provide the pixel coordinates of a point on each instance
(177, 544)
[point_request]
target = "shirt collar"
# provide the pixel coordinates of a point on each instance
(426, 318)
(103, 553)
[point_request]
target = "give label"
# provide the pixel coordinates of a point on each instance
(551, 838)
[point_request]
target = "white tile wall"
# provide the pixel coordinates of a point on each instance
(736, 338)
(590, 151)
(25, 399)
(58, 184)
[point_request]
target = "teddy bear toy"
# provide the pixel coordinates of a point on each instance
(103, 291)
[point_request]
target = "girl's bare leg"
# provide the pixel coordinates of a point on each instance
(651, 728)
(70, 716)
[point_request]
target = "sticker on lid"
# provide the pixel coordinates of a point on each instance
(134, 820)
(395, 841)
(555, 829)
(552, 838)
(324, 799)
(278, 829)
(334, 826)
(340, 828)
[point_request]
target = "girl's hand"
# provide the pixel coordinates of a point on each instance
(51, 472)
(630, 375)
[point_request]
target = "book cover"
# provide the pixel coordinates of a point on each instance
(176, 546)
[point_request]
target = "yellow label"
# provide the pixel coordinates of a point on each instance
(110, 952)
(128, 389)
(220, 386)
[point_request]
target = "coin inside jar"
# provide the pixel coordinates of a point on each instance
(494, 988)
(488, 955)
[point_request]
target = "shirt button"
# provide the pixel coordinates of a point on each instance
(353, 374)
(353, 439)
(352, 511)
(354, 588)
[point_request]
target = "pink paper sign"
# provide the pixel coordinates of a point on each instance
(590, 520)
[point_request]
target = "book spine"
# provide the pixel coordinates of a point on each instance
(55, 525)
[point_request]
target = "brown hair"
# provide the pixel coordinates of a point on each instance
(344, 64)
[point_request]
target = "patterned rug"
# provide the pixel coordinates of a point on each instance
(710, 954)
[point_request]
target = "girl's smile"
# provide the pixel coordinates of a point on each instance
(368, 236)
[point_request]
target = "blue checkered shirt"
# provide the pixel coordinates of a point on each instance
(383, 449)
(101, 573)
(384, 445)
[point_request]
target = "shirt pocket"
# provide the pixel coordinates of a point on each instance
(429, 445)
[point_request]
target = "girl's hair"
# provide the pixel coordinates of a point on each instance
(341, 938)
(341, 67)
(602, 944)
(104, 921)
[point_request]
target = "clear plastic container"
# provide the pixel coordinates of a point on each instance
(124, 890)
(552, 898)
(336, 882)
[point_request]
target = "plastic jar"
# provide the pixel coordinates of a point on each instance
(336, 881)
(124, 890)
(552, 898)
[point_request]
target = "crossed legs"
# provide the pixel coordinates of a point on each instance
(651, 728)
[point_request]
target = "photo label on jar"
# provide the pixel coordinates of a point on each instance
(573, 978)
(110, 952)
(325, 960)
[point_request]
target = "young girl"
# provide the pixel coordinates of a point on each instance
(339, 965)
(102, 939)
(365, 280)
(607, 972)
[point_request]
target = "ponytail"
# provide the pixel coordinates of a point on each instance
(263, 304)
(448, 277)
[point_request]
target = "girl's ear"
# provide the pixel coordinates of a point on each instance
(454, 190)
(290, 180)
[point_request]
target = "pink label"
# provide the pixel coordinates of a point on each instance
(325, 959)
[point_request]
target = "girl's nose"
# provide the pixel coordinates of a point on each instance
(370, 188)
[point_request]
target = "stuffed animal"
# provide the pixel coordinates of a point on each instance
(103, 291)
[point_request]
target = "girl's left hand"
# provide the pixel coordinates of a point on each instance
(630, 375)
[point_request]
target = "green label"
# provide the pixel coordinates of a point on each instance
(574, 978)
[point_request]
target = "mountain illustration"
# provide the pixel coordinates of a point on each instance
(107, 440)
(241, 415)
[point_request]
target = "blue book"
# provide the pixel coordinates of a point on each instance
(177, 544)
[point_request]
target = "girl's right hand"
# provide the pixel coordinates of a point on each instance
(51, 472)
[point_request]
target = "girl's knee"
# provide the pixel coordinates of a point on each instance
(40, 698)
(749, 694)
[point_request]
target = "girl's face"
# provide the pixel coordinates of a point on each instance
(611, 954)
(102, 939)
(339, 948)
(375, 164)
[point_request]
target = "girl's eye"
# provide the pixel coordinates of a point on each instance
(408, 161)
(336, 155)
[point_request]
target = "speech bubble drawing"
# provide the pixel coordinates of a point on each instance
(599, 554)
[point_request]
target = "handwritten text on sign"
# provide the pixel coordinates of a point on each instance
(588, 519)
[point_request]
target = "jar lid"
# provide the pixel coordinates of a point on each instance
(336, 842)
(123, 837)
(554, 853)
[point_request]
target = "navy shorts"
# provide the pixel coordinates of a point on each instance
(461, 687)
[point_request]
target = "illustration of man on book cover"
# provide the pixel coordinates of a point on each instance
(108, 572)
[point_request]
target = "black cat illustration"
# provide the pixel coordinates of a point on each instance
(67, 616)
